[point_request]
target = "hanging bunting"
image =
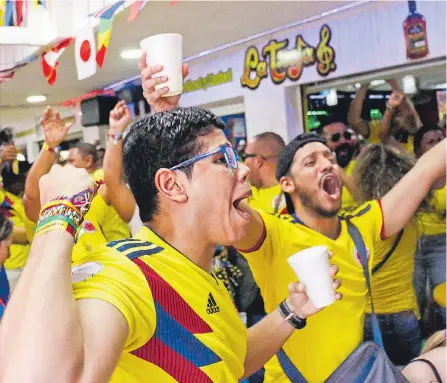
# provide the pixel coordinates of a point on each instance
(6, 76)
(9, 14)
(50, 60)
(106, 16)
(19, 12)
(135, 9)
(43, 3)
(85, 49)
(173, 2)
(2, 12)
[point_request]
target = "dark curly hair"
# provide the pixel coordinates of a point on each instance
(163, 140)
(6, 227)
(379, 168)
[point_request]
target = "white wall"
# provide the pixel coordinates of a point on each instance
(364, 40)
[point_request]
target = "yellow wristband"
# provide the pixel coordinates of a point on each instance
(47, 148)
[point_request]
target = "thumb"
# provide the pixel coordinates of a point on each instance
(185, 70)
(67, 126)
(142, 61)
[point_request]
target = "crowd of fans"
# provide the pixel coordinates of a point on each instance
(386, 177)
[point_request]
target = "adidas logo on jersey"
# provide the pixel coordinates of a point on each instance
(212, 307)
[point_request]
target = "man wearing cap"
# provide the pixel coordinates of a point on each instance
(310, 177)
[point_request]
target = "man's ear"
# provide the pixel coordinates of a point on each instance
(287, 184)
(171, 185)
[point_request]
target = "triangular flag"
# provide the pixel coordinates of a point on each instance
(104, 34)
(135, 9)
(173, 2)
(109, 11)
(50, 60)
(43, 3)
(6, 76)
(85, 49)
(9, 14)
(19, 12)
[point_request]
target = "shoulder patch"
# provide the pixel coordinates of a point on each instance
(83, 272)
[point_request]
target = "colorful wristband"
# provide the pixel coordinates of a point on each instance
(116, 137)
(47, 148)
(56, 223)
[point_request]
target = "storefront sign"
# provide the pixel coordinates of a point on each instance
(322, 56)
(208, 81)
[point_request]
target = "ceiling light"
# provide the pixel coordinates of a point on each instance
(358, 85)
(38, 98)
(377, 82)
(409, 84)
(131, 54)
(331, 98)
(21, 157)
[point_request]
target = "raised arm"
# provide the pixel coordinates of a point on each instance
(55, 131)
(118, 193)
(154, 98)
(393, 103)
(267, 336)
(402, 201)
(355, 120)
(44, 328)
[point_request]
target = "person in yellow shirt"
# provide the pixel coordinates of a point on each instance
(340, 141)
(379, 168)
(102, 223)
(261, 156)
(11, 207)
(146, 308)
(400, 120)
(431, 253)
(310, 177)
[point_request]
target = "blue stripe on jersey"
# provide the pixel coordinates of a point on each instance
(140, 253)
(114, 243)
(131, 245)
(175, 336)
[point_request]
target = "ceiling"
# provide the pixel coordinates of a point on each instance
(203, 24)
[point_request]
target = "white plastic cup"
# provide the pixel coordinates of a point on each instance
(312, 268)
(166, 50)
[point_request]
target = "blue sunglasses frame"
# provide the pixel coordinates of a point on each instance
(231, 157)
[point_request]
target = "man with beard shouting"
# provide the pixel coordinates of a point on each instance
(340, 141)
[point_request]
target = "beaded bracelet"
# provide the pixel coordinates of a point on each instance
(60, 210)
(56, 223)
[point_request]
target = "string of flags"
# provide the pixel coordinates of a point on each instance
(88, 54)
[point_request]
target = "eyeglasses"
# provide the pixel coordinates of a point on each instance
(336, 136)
(231, 157)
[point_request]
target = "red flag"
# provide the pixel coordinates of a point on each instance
(19, 12)
(6, 76)
(135, 9)
(50, 60)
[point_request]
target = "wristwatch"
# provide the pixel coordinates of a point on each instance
(293, 319)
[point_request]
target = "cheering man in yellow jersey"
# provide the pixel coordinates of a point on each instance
(310, 177)
(261, 156)
(145, 309)
(102, 223)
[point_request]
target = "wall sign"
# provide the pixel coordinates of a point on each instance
(208, 81)
(257, 67)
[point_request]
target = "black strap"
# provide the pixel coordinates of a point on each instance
(389, 254)
(361, 248)
(432, 366)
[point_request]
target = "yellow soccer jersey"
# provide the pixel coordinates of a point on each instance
(98, 175)
(347, 200)
(183, 326)
(332, 334)
(374, 136)
(101, 225)
(392, 284)
(433, 223)
(12, 207)
(266, 199)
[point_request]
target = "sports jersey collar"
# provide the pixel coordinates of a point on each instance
(147, 234)
(299, 222)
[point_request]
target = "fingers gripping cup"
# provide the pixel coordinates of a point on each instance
(166, 50)
(312, 268)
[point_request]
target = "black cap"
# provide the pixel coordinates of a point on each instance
(286, 157)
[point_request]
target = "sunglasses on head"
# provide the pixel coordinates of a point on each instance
(336, 136)
(231, 157)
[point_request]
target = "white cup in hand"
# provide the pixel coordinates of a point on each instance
(312, 268)
(166, 50)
